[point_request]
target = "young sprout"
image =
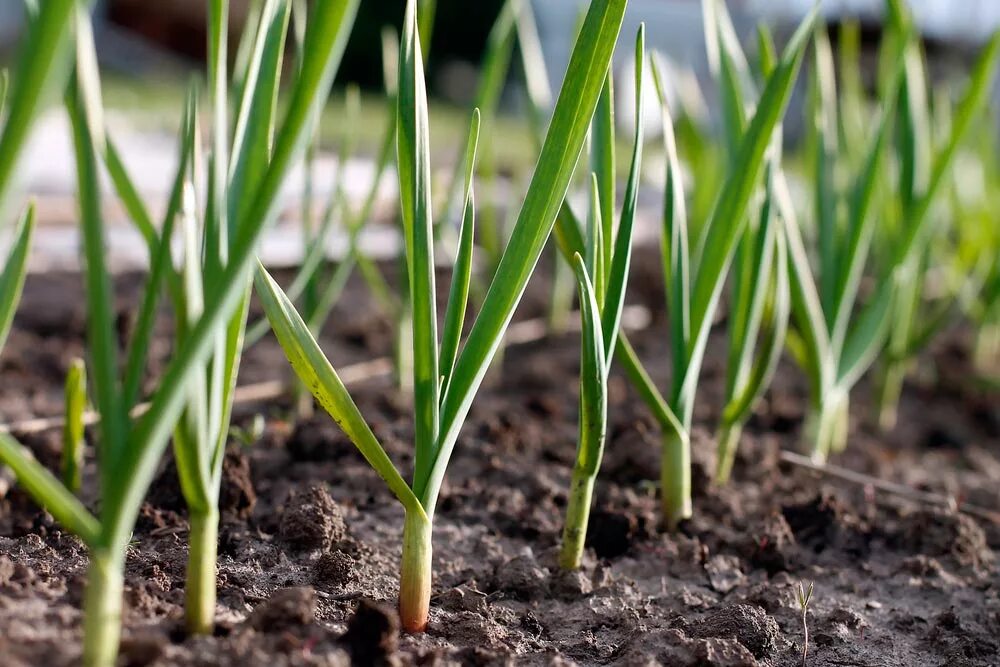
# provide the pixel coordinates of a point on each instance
(836, 340)
(804, 597)
(916, 317)
(602, 297)
(694, 279)
(130, 449)
(73, 426)
(446, 378)
(759, 302)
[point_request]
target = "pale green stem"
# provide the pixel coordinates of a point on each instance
(826, 427)
(200, 586)
(890, 390)
(102, 608)
(675, 478)
(404, 352)
(729, 442)
(415, 573)
(577, 515)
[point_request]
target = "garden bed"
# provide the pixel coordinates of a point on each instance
(310, 540)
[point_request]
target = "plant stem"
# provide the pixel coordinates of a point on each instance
(729, 441)
(675, 478)
(577, 515)
(200, 586)
(889, 392)
(415, 573)
(826, 426)
(102, 607)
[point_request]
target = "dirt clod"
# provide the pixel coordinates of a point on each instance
(286, 608)
(751, 626)
(610, 533)
(237, 496)
(334, 568)
(312, 520)
(941, 534)
(372, 636)
(672, 647)
(521, 577)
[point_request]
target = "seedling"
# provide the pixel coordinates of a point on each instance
(804, 597)
(836, 340)
(130, 449)
(602, 298)
(759, 302)
(446, 377)
(694, 280)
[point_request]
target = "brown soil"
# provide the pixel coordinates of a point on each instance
(310, 538)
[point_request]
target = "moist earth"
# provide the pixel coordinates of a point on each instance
(310, 537)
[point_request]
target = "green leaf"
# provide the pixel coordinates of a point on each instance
(811, 342)
(318, 375)
(593, 377)
(326, 38)
(602, 164)
(254, 129)
(723, 228)
(866, 340)
(49, 492)
(618, 270)
(15, 269)
(860, 229)
(674, 241)
(461, 276)
(413, 161)
(84, 106)
(563, 144)
(42, 64)
(980, 84)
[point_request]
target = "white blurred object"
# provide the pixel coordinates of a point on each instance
(959, 21)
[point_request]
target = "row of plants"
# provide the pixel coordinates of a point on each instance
(887, 229)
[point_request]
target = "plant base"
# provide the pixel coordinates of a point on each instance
(827, 427)
(415, 574)
(200, 585)
(675, 479)
(577, 516)
(102, 609)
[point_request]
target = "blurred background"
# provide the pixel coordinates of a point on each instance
(150, 50)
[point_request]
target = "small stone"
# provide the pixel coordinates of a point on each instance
(285, 609)
(312, 520)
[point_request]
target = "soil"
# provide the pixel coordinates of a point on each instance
(310, 537)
